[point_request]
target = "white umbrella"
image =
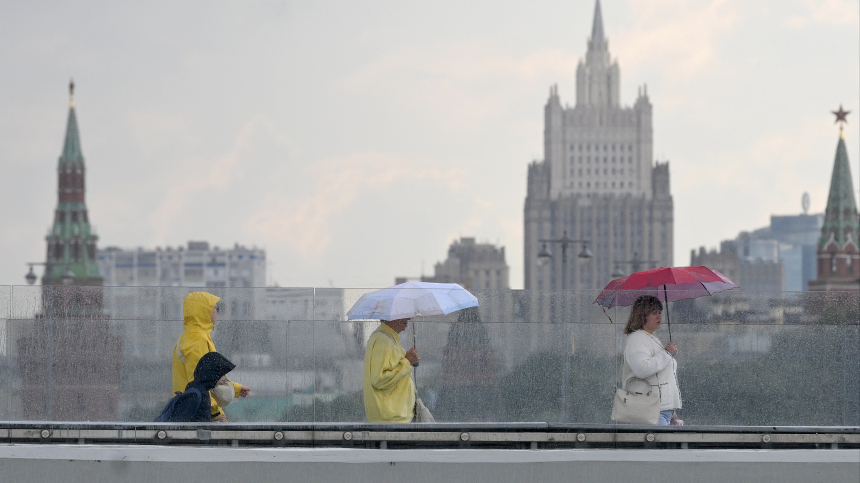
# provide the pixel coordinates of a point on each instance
(412, 299)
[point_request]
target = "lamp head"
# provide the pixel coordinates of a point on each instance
(31, 276)
(544, 255)
(585, 254)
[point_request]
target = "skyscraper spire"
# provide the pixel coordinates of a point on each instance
(71, 92)
(597, 25)
(598, 77)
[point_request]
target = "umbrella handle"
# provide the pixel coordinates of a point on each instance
(414, 343)
(668, 318)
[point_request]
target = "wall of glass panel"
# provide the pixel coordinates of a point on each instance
(745, 358)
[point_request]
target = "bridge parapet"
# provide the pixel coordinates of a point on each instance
(434, 436)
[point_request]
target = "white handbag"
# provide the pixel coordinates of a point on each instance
(422, 414)
(636, 406)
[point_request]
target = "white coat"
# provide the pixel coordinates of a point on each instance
(645, 358)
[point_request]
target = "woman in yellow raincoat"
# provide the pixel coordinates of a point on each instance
(201, 311)
(389, 392)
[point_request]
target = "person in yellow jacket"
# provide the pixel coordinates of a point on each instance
(389, 392)
(201, 312)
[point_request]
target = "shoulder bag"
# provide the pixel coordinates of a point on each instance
(639, 405)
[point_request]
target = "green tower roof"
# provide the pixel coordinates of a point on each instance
(841, 218)
(72, 146)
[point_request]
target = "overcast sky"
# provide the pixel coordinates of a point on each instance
(354, 141)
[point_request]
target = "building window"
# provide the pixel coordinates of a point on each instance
(833, 263)
(588, 147)
(630, 160)
(604, 160)
(630, 148)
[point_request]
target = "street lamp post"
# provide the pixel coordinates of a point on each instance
(545, 255)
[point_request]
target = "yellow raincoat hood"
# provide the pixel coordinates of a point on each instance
(197, 308)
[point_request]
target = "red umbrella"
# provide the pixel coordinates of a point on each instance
(667, 284)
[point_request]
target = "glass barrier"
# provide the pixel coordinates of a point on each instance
(744, 358)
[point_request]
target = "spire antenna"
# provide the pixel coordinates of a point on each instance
(71, 92)
(597, 34)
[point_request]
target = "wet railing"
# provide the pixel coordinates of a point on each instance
(103, 354)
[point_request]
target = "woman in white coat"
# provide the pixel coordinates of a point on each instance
(645, 357)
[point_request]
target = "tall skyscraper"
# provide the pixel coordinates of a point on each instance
(597, 181)
(838, 253)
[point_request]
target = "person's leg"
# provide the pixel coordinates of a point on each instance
(665, 417)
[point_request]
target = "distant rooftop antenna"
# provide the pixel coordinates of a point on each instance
(804, 202)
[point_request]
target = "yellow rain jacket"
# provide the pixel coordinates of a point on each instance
(389, 392)
(196, 341)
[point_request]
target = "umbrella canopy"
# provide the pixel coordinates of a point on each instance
(666, 283)
(412, 299)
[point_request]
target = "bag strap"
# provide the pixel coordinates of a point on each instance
(199, 395)
(627, 383)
